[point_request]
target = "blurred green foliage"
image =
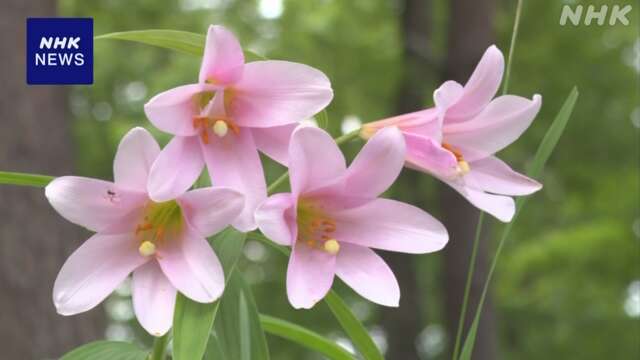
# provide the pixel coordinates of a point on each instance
(565, 284)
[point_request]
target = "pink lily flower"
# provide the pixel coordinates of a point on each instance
(333, 216)
(162, 243)
(233, 111)
(456, 140)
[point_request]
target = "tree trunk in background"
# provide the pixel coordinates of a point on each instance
(404, 324)
(470, 33)
(34, 240)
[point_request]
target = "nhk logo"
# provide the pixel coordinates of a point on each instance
(54, 58)
(59, 51)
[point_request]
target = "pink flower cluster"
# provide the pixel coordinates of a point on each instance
(148, 223)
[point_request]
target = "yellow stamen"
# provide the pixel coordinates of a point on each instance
(332, 246)
(220, 128)
(463, 167)
(147, 248)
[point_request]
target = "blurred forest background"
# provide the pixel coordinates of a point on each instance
(568, 283)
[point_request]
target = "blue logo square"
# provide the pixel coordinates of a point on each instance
(59, 51)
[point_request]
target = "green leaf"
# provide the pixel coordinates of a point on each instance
(15, 178)
(214, 349)
(552, 136)
(304, 337)
(353, 327)
(106, 350)
(181, 41)
(192, 321)
(238, 327)
(545, 149)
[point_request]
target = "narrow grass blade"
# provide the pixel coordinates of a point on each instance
(305, 337)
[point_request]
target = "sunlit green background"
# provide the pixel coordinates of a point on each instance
(568, 285)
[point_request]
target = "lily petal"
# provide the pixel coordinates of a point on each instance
(314, 159)
(93, 271)
(274, 141)
(192, 267)
(422, 122)
(94, 204)
(233, 162)
(223, 57)
(377, 165)
(172, 111)
(391, 225)
(211, 209)
(481, 87)
(498, 125)
(309, 275)
(425, 154)
(493, 175)
(273, 93)
(447, 95)
(366, 273)
(176, 168)
(136, 153)
(154, 299)
(276, 218)
(501, 207)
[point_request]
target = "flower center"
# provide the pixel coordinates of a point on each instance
(463, 167)
(219, 125)
(315, 228)
(161, 220)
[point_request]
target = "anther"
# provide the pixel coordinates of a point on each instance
(332, 246)
(463, 167)
(144, 227)
(220, 128)
(147, 248)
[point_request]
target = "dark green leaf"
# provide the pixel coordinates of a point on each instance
(106, 350)
(304, 337)
(238, 327)
(545, 149)
(192, 321)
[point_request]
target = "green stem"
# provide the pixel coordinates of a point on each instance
(514, 36)
(347, 137)
(467, 286)
(276, 184)
(159, 348)
(283, 178)
(22, 179)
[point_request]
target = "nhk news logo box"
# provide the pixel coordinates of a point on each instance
(59, 51)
